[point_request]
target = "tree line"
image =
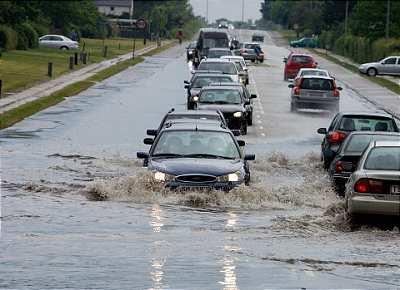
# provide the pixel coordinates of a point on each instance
(360, 29)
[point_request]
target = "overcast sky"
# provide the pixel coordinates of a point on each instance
(230, 9)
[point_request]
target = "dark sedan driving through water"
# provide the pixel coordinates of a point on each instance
(196, 155)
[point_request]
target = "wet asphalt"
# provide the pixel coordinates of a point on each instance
(285, 231)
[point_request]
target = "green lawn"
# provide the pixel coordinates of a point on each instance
(21, 69)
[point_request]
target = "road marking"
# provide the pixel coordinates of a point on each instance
(261, 127)
(263, 134)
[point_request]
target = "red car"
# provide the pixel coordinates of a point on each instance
(295, 61)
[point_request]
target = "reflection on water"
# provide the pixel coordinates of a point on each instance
(228, 262)
(158, 258)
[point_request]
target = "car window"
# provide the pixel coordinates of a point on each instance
(55, 38)
(215, 42)
(358, 143)
(193, 117)
(197, 142)
(301, 59)
(333, 124)
(383, 158)
(313, 73)
(391, 60)
(203, 81)
(317, 84)
(219, 96)
(366, 124)
(225, 67)
(45, 38)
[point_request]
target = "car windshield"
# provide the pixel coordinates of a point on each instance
(317, 84)
(218, 53)
(313, 73)
(203, 81)
(220, 96)
(215, 42)
(358, 143)
(239, 65)
(192, 45)
(366, 124)
(225, 67)
(301, 59)
(193, 117)
(383, 158)
(196, 143)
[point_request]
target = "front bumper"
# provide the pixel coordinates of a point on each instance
(362, 70)
(374, 204)
(218, 185)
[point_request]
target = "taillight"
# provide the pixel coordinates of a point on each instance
(336, 93)
(336, 137)
(296, 91)
(339, 166)
(366, 185)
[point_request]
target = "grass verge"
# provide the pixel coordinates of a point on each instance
(378, 80)
(15, 115)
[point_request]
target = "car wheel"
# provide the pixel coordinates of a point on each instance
(372, 72)
(340, 188)
(261, 60)
(250, 119)
(326, 163)
(64, 48)
(247, 81)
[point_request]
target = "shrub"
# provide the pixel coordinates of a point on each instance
(30, 34)
(40, 29)
(8, 38)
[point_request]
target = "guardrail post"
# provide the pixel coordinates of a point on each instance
(133, 48)
(84, 55)
(76, 58)
(50, 69)
(71, 62)
(105, 51)
(1, 87)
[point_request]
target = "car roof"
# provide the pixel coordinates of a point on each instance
(195, 112)
(219, 48)
(218, 87)
(197, 126)
(216, 60)
(386, 144)
(366, 114)
(317, 77)
(382, 133)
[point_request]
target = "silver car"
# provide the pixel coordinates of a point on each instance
(241, 66)
(58, 41)
(315, 92)
(387, 66)
(374, 188)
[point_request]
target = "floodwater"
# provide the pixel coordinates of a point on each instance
(79, 211)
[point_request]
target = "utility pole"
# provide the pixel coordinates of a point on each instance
(346, 16)
(387, 18)
(242, 11)
(207, 11)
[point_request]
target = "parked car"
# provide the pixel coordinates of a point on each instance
(218, 52)
(374, 188)
(201, 79)
(190, 50)
(387, 66)
(190, 116)
(346, 122)
(316, 92)
(196, 155)
(294, 62)
(257, 38)
(247, 97)
(222, 65)
(346, 160)
(241, 66)
(228, 100)
(305, 42)
(58, 41)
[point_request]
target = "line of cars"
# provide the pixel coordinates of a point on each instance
(197, 148)
(360, 150)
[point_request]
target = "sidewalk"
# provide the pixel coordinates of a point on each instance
(49, 87)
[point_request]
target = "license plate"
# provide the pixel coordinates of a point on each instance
(395, 189)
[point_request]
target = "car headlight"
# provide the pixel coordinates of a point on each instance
(159, 176)
(232, 177)
(237, 114)
(195, 98)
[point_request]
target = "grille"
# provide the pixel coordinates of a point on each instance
(196, 178)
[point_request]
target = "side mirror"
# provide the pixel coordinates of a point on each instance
(253, 96)
(241, 143)
(186, 82)
(148, 141)
(339, 88)
(186, 86)
(247, 102)
(235, 132)
(152, 132)
(142, 155)
(291, 86)
(322, 131)
(249, 157)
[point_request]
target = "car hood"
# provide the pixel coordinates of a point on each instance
(179, 166)
(369, 64)
(223, 108)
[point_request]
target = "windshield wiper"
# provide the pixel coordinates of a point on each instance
(205, 155)
(167, 155)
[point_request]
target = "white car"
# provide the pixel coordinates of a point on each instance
(58, 41)
(241, 66)
(223, 65)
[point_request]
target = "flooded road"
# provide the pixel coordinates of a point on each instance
(78, 212)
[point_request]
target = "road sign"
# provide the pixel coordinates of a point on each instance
(141, 24)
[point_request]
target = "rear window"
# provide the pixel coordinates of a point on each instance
(193, 117)
(366, 124)
(203, 81)
(225, 67)
(383, 158)
(317, 84)
(301, 59)
(358, 143)
(313, 73)
(220, 97)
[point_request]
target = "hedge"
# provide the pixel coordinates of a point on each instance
(8, 38)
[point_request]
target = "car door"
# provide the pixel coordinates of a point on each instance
(397, 69)
(388, 66)
(45, 41)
